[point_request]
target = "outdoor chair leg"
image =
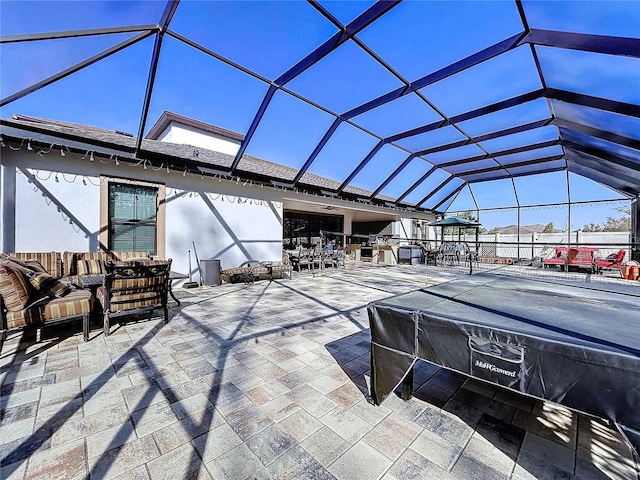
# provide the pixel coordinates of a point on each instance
(166, 313)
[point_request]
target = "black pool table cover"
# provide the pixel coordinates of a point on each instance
(575, 345)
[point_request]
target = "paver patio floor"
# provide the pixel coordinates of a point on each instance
(270, 380)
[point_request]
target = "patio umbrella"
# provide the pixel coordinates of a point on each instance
(456, 222)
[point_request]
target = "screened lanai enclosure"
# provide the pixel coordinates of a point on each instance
(500, 108)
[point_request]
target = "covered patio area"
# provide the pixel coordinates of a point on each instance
(271, 381)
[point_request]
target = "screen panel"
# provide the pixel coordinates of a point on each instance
(541, 189)
(231, 104)
(595, 74)
(479, 83)
(343, 152)
(379, 168)
(266, 37)
(463, 201)
(336, 81)
(289, 131)
(405, 113)
(412, 38)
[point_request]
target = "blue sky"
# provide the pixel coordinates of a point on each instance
(415, 38)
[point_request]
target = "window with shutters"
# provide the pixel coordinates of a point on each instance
(133, 219)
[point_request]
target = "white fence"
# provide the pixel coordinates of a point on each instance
(541, 245)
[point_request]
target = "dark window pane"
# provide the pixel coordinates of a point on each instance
(303, 229)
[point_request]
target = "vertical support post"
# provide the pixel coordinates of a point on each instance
(7, 206)
(635, 228)
(477, 240)
(518, 233)
(568, 212)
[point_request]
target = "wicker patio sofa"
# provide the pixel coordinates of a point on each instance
(39, 289)
(33, 297)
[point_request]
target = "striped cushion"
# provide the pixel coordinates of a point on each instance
(26, 266)
(129, 301)
(123, 256)
(70, 260)
(26, 316)
(46, 284)
(90, 267)
(78, 302)
(14, 286)
(126, 285)
(237, 271)
(41, 281)
(281, 268)
(50, 261)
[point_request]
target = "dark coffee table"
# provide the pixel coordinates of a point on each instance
(92, 281)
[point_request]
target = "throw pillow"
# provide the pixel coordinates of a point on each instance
(31, 264)
(90, 267)
(14, 286)
(35, 266)
(45, 283)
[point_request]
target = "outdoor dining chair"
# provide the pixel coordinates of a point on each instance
(449, 254)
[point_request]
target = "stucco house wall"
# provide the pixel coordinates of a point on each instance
(54, 202)
(227, 221)
(187, 135)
